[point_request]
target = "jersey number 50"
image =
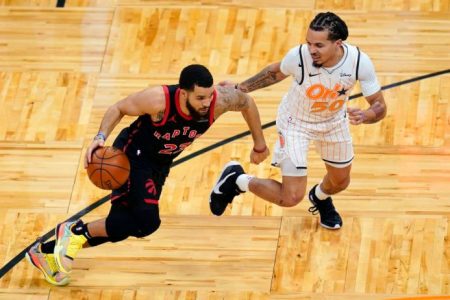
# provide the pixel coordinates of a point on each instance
(321, 106)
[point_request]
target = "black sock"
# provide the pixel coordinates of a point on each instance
(81, 228)
(95, 241)
(48, 247)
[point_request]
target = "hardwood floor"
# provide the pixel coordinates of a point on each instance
(60, 68)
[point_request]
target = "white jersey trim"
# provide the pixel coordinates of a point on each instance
(366, 74)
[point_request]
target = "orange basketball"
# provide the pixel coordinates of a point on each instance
(109, 168)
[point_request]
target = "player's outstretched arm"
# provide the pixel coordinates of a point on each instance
(149, 101)
(266, 77)
(260, 150)
(230, 99)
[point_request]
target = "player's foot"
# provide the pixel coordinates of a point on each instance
(329, 217)
(67, 245)
(225, 188)
(47, 265)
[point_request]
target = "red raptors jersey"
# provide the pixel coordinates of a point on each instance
(161, 142)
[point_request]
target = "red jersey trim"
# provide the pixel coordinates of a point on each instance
(151, 201)
(177, 103)
(117, 196)
(131, 136)
(211, 108)
(167, 109)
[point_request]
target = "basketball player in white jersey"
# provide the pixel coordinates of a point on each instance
(323, 71)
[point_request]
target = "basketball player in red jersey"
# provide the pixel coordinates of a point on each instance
(323, 71)
(169, 119)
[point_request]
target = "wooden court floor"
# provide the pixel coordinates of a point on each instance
(60, 68)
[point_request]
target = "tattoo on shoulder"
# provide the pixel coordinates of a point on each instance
(159, 116)
(232, 99)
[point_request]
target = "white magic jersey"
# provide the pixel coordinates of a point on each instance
(314, 108)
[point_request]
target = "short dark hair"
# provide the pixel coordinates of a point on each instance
(337, 29)
(193, 75)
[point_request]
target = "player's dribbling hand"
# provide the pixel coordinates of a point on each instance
(94, 145)
(356, 116)
(258, 157)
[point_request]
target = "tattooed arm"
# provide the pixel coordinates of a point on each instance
(230, 99)
(149, 101)
(268, 76)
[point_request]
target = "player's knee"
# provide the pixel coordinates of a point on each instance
(147, 221)
(115, 239)
(116, 230)
(119, 225)
(291, 199)
(147, 227)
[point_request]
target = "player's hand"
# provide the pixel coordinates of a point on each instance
(356, 116)
(256, 157)
(227, 83)
(96, 142)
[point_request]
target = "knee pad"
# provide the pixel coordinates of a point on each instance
(147, 227)
(119, 224)
(137, 221)
(117, 229)
(146, 219)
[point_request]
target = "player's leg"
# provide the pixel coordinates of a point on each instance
(336, 180)
(338, 158)
(287, 193)
(70, 242)
(95, 233)
(45, 262)
(145, 197)
(232, 181)
(72, 236)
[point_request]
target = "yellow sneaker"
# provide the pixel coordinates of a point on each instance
(67, 245)
(47, 265)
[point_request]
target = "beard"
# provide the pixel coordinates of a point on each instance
(316, 65)
(196, 116)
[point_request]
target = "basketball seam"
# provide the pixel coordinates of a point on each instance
(110, 175)
(111, 165)
(96, 154)
(101, 170)
(109, 157)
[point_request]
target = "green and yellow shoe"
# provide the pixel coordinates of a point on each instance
(47, 265)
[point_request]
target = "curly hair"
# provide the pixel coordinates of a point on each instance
(337, 29)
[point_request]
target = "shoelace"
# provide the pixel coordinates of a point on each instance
(237, 191)
(314, 210)
(326, 207)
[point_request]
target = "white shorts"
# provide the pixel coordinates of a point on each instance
(291, 149)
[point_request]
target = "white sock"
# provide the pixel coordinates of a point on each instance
(320, 194)
(242, 181)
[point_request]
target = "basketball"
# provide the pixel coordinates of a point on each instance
(109, 168)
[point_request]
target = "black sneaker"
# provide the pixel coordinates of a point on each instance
(329, 217)
(225, 188)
